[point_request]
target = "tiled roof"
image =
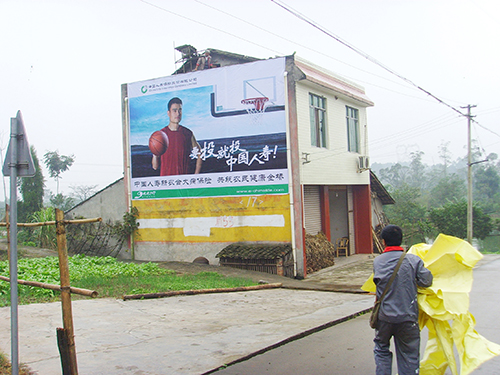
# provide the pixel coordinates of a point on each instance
(241, 250)
(377, 187)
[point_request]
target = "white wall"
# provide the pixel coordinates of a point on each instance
(333, 165)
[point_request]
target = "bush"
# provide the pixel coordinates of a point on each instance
(451, 219)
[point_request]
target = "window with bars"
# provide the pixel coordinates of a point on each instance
(317, 112)
(352, 116)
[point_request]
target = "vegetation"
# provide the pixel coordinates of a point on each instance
(106, 275)
(81, 193)
(31, 191)
(449, 219)
(57, 164)
(433, 199)
(62, 202)
(42, 236)
(6, 368)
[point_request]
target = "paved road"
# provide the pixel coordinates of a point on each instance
(347, 348)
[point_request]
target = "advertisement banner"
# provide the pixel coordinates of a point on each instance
(224, 133)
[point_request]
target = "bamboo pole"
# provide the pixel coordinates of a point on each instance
(201, 291)
(65, 222)
(65, 288)
(378, 244)
(83, 292)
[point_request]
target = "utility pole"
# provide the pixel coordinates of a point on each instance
(469, 175)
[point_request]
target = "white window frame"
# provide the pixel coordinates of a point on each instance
(317, 116)
(352, 118)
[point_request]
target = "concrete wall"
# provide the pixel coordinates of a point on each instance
(108, 204)
(179, 252)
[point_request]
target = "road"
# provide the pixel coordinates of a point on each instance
(347, 347)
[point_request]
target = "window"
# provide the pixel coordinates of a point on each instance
(317, 112)
(352, 129)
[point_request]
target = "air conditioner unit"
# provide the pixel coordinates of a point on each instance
(363, 163)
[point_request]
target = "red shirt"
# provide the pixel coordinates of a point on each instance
(175, 160)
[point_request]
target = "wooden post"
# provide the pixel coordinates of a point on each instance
(62, 343)
(65, 289)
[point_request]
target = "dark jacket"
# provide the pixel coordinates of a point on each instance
(400, 302)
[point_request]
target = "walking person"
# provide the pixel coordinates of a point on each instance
(398, 315)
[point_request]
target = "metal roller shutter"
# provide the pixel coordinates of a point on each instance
(312, 208)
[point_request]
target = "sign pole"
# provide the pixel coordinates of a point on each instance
(13, 248)
(18, 163)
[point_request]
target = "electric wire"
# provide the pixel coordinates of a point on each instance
(304, 46)
(359, 52)
(312, 23)
(369, 58)
(209, 26)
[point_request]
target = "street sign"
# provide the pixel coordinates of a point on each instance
(22, 159)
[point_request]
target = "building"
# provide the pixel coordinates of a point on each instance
(283, 145)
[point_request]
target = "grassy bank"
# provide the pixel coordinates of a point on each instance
(6, 368)
(106, 275)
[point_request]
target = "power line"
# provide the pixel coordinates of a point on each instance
(302, 45)
(209, 26)
(417, 130)
(312, 23)
(359, 52)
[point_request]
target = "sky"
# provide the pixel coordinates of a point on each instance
(63, 63)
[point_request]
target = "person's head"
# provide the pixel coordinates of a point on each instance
(392, 235)
(175, 110)
(207, 52)
(174, 101)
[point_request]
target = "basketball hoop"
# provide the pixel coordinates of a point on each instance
(258, 108)
(259, 103)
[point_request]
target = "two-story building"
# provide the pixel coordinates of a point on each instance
(282, 145)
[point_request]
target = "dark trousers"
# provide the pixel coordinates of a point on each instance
(407, 341)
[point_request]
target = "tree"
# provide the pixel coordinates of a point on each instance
(486, 182)
(395, 176)
(82, 192)
(417, 176)
(445, 156)
(62, 202)
(449, 188)
(409, 214)
(57, 164)
(451, 219)
(31, 189)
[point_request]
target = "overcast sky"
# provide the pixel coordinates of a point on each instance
(63, 62)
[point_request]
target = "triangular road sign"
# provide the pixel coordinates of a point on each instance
(23, 160)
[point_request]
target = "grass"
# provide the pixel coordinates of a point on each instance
(121, 285)
(6, 368)
(107, 276)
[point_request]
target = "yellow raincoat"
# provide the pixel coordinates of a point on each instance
(444, 308)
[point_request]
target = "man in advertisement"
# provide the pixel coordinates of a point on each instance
(177, 144)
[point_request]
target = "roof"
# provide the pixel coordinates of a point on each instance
(242, 250)
(219, 58)
(377, 187)
(333, 82)
(232, 55)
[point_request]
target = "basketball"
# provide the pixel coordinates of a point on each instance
(158, 143)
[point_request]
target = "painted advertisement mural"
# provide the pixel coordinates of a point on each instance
(208, 156)
(229, 136)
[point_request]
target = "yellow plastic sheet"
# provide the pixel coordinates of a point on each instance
(444, 308)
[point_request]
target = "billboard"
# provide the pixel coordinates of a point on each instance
(224, 134)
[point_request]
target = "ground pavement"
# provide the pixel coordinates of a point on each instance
(190, 334)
